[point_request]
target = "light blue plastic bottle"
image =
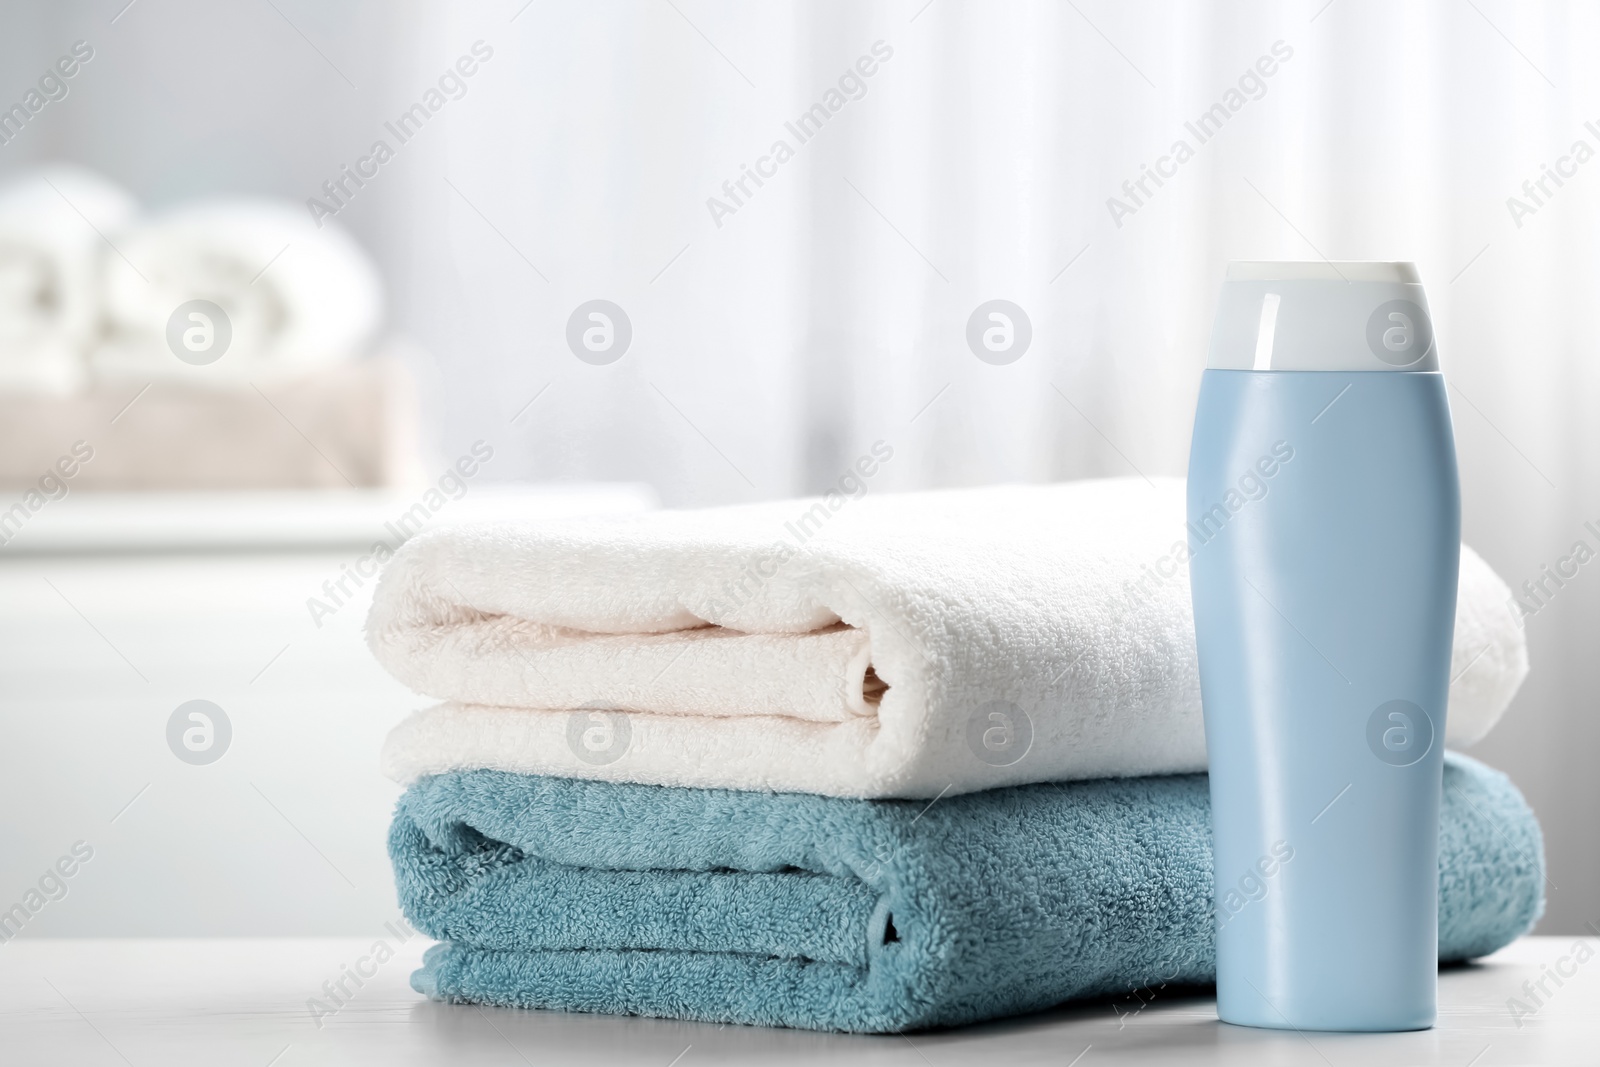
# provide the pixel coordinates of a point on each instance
(1325, 530)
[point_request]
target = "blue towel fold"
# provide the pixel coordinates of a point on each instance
(807, 911)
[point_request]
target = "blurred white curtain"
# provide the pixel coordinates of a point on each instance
(830, 309)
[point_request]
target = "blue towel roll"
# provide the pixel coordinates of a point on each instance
(864, 915)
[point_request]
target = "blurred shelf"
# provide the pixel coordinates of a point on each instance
(124, 606)
(298, 520)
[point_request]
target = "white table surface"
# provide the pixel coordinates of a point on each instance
(243, 1002)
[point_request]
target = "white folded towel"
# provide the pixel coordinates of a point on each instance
(1022, 633)
(51, 222)
(296, 296)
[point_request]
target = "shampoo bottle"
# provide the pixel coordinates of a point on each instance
(1325, 531)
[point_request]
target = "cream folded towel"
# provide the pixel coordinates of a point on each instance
(892, 645)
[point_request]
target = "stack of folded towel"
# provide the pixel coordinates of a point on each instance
(856, 764)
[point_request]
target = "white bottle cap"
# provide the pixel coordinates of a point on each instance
(1323, 316)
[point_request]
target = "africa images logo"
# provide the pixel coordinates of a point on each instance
(199, 732)
(198, 332)
(1000, 733)
(599, 736)
(1399, 333)
(599, 332)
(1399, 733)
(999, 332)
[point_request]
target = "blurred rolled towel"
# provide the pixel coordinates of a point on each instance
(295, 296)
(51, 222)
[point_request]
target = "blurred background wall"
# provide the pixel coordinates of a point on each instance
(776, 336)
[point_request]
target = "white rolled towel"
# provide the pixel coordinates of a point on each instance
(295, 296)
(51, 224)
(893, 645)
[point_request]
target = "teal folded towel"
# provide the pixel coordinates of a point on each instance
(862, 915)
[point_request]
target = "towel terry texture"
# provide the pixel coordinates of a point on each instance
(885, 915)
(893, 645)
